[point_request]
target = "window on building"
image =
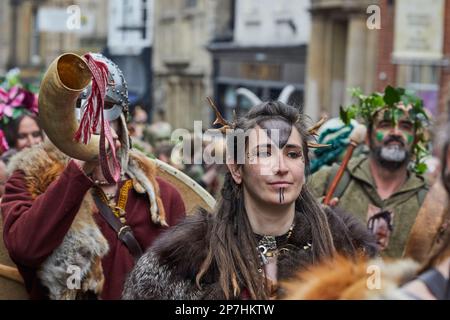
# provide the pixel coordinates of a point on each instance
(190, 3)
(424, 80)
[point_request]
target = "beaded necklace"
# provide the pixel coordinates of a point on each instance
(117, 208)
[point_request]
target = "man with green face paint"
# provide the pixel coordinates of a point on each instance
(384, 189)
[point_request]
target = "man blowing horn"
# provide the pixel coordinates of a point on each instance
(75, 221)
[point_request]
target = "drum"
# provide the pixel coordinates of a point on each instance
(193, 194)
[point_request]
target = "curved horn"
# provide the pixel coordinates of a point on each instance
(286, 93)
(63, 82)
(249, 95)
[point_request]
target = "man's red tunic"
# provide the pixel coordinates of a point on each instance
(33, 229)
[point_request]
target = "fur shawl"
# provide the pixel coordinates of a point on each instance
(84, 245)
(168, 269)
(341, 278)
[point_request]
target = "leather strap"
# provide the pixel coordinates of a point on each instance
(124, 232)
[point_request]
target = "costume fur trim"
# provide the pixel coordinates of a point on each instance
(143, 173)
(84, 245)
(342, 278)
(175, 258)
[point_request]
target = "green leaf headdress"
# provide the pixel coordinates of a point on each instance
(395, 102)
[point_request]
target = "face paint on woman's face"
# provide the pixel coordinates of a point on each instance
(272, 175)
(278, 130)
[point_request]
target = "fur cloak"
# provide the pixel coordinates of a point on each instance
(84, 245)
(341, 278)
(168, 269)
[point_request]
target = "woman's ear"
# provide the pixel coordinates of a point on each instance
(236, 172)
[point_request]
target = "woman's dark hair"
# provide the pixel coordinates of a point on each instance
(232, 244)
(11, 130)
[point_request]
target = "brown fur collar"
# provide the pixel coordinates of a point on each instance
(42, 164)
(184, 247)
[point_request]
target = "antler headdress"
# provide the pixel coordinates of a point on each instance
(312, 131)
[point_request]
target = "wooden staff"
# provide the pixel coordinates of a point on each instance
(356, 137)
(10, 273)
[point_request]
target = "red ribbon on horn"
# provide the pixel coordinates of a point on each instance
(93, 114)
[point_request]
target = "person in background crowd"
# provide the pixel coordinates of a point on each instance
(137, 129)
(19, 127)
(426, 278)
(20, 133)
(382, 189)
(138, 123)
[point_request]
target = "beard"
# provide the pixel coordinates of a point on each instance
(391, 157)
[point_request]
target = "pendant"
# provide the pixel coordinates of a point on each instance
(262, 252)
(268, 244)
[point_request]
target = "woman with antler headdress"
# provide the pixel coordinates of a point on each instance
(266, 225)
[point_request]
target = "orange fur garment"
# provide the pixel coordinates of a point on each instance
(341, 278)
(149, 170)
